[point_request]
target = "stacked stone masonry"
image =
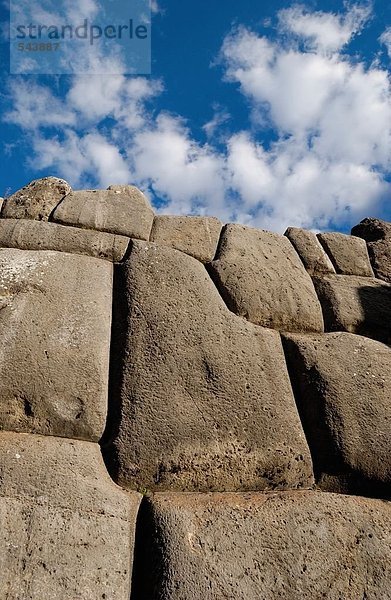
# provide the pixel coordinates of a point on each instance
(190, 410)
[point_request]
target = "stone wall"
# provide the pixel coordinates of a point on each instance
(190, 411)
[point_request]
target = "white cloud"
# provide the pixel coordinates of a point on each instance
(188, 175)
(121, 98)
(330, 115)
(155, 7)
(35, 106)
(81, 159)
(333, 117)
(220, 117)
(321, 31)
(385, 39)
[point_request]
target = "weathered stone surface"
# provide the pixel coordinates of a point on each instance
(31, 235)
(342, 385)
(348, 254)
(261, 277)
(200, 399)
(372, 230)
(377, 233)
(309, 249)
(55, 323)
(36, 200)
(67, 531)
(356, 304)
(287, 545)
(196, 236)
(380, 256)
(121, 209)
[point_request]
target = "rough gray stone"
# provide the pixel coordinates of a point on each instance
(356, 304)
(380, 256)
(67, 531)
(120, 209)
(200, 399)
(372, 230)
(196, 236)
(348, 254)
(261, 277)
(55, 324)
(277, 546)
(31, 235)
(36, 200)
(377, 233)
(342, 384)
(309, 249)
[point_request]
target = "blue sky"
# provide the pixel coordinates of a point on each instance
(270, 114)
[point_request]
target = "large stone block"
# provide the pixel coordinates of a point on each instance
(121, 209)
(380, 255)
(277, 546)
(67, 531)
(372, 230)
(377, 233)
(55, 324)
(309, 249)
(342, 384)
(31, 235)
(196, 236)
(356, 304)
(200, 399)
(261, 277)
(348, 254)
(36, 200)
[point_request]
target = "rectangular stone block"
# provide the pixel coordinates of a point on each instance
(276, 546)
(55, 322)
(348, 254)
(200, 399)
(342, 385)
(33, 235)
(377, 234)
(356, 304)
(261, 278)
(309, 249)
(380, 257)
(196, 236)
(121, 209)
(66, 530)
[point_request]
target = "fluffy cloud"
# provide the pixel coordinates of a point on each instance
(385, 39)
(333, 117)
(330, 116)
(323, 32)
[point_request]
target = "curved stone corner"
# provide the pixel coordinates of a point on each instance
(67, 531)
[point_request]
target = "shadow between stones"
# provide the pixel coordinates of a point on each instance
(117, 357)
